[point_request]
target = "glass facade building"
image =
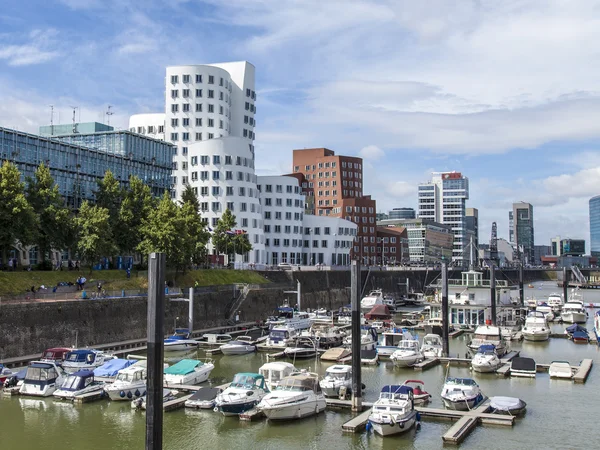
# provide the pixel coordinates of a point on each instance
(595, 225)
(401, 213)
(78, 162)
(521, 231)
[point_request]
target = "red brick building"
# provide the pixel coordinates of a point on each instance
(392, 245)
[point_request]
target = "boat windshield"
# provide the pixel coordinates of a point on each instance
(243, 381)
(124, 377)
(486, 337)
(40, 373)
(338, 376)
(73, 383)
(279, 334)
(464, 381)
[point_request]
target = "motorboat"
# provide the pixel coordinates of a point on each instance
(179, 341)
(15, 380)
(415, 299)
(335, 354)
(390, 302)
(507, 405)
(573, 312)
(379, 326)
(432, 346)
(214, 339)
(237, 347)
(390, 340)
(433, 325)
(368, 338)
(546, 310)
(111, 368)
(281, 336)
(57, 354)
(556, 302)
(576, 329)
(531, 302)
(302, 348)
(274, 372)
(325, 334)
(130, 383)
(298, 395)
(487, 334)
(204, 398)
(560, 369)
(486, 359)
(5, 373)
(42, 379)
(140, 403)
(373, 298)
(294, 319)
(394, 411)
(461, 394)
(82, 359)
(369, 357)
(536, 328)
(597, 326)
(522, 367)
(78, 383)
(336, 377)
(408, 353)
(188, 371)
(421, 397)
(580, 337)
(244, 393)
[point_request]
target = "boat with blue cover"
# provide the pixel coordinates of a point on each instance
(577, 333)
(461, 394)
(188, 371)
(82, 359)
(111, 368)
(78, 383)
(244, 393)
(394, 411)
(179, 341)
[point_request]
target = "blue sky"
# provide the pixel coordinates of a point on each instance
(505, 92)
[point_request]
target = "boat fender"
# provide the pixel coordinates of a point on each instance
(216, 409)
(368, 426)
(137, 392)
(363, 386)
(129, 395)
(418, 417)
(122, 394)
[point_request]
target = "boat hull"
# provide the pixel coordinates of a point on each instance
(484, 368)
(387, 427)
(238, 350)
(235, 409)
(180, 346)
(126, 393)
(295, 411)
(333, 390)
(70, 395)
(38, 390)
(522, 373)
(574, 318)
(191, 378)
(464, 404)
(536, 336)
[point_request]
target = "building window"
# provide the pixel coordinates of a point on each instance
(174, 79)
(186, 122)
(216, 191)
(174, 93)
(228, 160)
(185, 93)
(204, 192)
(215, 174)
(216, 159)
(198, 136)
(186, 107)
(229, 190)
(185, 136)
(198, 78)
(198, 92)
(174, 108)
(194, 160)
(199, 108)
(211, 79)
(211, 123)
(211, 93)
(216, 206)
(186, 78)
(229, 175)
(230, 206)
(174, 122)
(211, 108)
(174, 137)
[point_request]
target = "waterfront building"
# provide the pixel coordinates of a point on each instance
(333, 186)
(572, 247)
(521, 233)
(392, 245)
(151, 125)
(539, 251)
(472, 228)
(72, 128)
(595, 225)
(401, 213)
(381, 216)
(443, 200)
(555, 246)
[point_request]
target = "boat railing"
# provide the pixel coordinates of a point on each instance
(480, 283)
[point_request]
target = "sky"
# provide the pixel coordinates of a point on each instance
(508, 93)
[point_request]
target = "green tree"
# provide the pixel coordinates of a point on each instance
(225, 241)
(54, 223)
(95, 233)
(189, 196)
(135, 209)
(110, 196)
(17, 219)
(193, 230)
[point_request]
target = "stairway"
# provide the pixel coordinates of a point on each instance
(238, 301)
(578, 275)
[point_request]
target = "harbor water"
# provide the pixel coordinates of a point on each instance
(560, 414)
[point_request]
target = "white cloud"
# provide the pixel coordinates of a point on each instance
(39, 49)
(371, 152)
(402, 189)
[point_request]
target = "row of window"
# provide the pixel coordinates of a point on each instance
(288, 202)
(186, 79)
(210, 108)
(277, 215)
(216, 175)
(185, 122)
(151, 129)
(186, 136)
(279, 188)
(251, 94)
(216, 160)
(296, 243)
(185, 93)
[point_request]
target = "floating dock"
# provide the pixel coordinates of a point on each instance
(584, 370)
(177, 403)
(426, 364)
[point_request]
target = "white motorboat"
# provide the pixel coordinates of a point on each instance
(574, 312)
(336, 377)
(507, 405)
(432, 346)
(536, 328)
(296, 396)
(408, 353)
(374, 297)
(281, 336)
(42, 379)
(390, 302)
(394, 411)
(325, 333)
(203, 398)
(390, 340)
(560, 369)
(237, 347)
(486, 359)
(556, 302)
(378, 326)
(522, 367)
(546, 310)
(274, 372)
(487, 334)
(188, 371)
(289, 316)
(78, 383)
(244, 393)
(461, 394)
(130, 383)
(433, 325)
(302, 348)
(531, 303)
(180, 341)
(214, 339)
(368, 338)
(82, 359)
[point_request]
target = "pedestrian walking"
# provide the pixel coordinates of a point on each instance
(99, 286)
(128, 272)
(10, 264)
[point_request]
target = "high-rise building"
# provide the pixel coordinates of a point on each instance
(443, 200)
(520, 232)
(472, 225)
(539, 251)
(595, 225)
(333, 185)
(402, 213)
(572, 247)
(555, 246)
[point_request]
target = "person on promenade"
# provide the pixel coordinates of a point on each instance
(10, 264)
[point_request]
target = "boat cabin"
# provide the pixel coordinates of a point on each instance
(300, 382)
(392, 337)
(215, 338)
(248, 381)
(78, 380)
(339, 372)
(183, 367)
(396, 392)
(132, 374)
(55, 354)
(41, 373)
(81, 356)
(274, 372)
(409, 344)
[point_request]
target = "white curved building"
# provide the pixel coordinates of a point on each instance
(151, 125)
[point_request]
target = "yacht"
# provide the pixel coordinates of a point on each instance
(238, 347)
(536, 328)
(546, 310)
(556, 302)
(130, 383)
(432, 346)
(274, 372)
(368, 338)
(296, 396)
(188, 371)
(42, 379)
(78, 383)
(325, 334)
(486, 359)
(281, 336)
(389, 341)
(302, 348)
(374, 297)
(408, 353)
(461, 394)
(203, 398)
(244, 393)
(487, 334)
(289, 316)
(574, 312)
(336, 377)
(180, 340)
(394, 411)
(83, 359)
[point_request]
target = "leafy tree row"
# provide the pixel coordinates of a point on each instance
(120, 222)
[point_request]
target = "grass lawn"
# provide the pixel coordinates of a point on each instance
(15, 283)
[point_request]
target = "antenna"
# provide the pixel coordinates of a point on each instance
(108, 114)
(74, 108)
(51, 120)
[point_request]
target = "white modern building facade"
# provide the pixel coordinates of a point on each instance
(443, 200)
(151, 125)
(297, 238)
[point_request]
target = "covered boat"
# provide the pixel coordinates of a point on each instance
(82, 359)
(110, 368)
(203, 398)
(379, 312)
(42, 379)
(244, 393)
(487, 334)
(522, 367)
(237, 348)
(274, 372)
(336, 377)
(560, 369)
(580, 337)
(78, 383)
(296, 396)
(507, 405)
(575, 328)
(57, 354)
(461, 394)
(486, 359)
(188, 371)
(394, 411)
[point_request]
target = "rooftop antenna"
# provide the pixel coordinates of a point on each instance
(74, 108)
(51, 120)
(108, 114)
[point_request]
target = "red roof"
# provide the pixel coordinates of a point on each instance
(381, 312)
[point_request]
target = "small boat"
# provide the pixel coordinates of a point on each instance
(536, 328)
(5, 373)
(325, 333)
(111, 368)
(560, 369)
(130, 383)
(287, 315)
(421, 397)
(368, 338)
(57, 354)
(42, 379)
(302, 348)
(180, 341)
(274, 372)
(214, 339)
(298, 395)
(433, 325)
(237, 348)
(203, 398)
(432, 346)
(530, 286)
(335, 354)
(282, 336)
(408, 353)
(486, 360)
(188, 371)
(574, 312)
(531, 303)
(461, 394)
(390, 302)
(140, 403)
(487, 334)
(582, 332)
(580, 337)
(78, 383)
(394, 411)
(369, 357)
(522, 367)
(546, 310)
(82, 359)
(336, 377)
(390, 340)
(507, 405)
(244, 393)
(374, 297)
(556, 302)
(415, 299)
